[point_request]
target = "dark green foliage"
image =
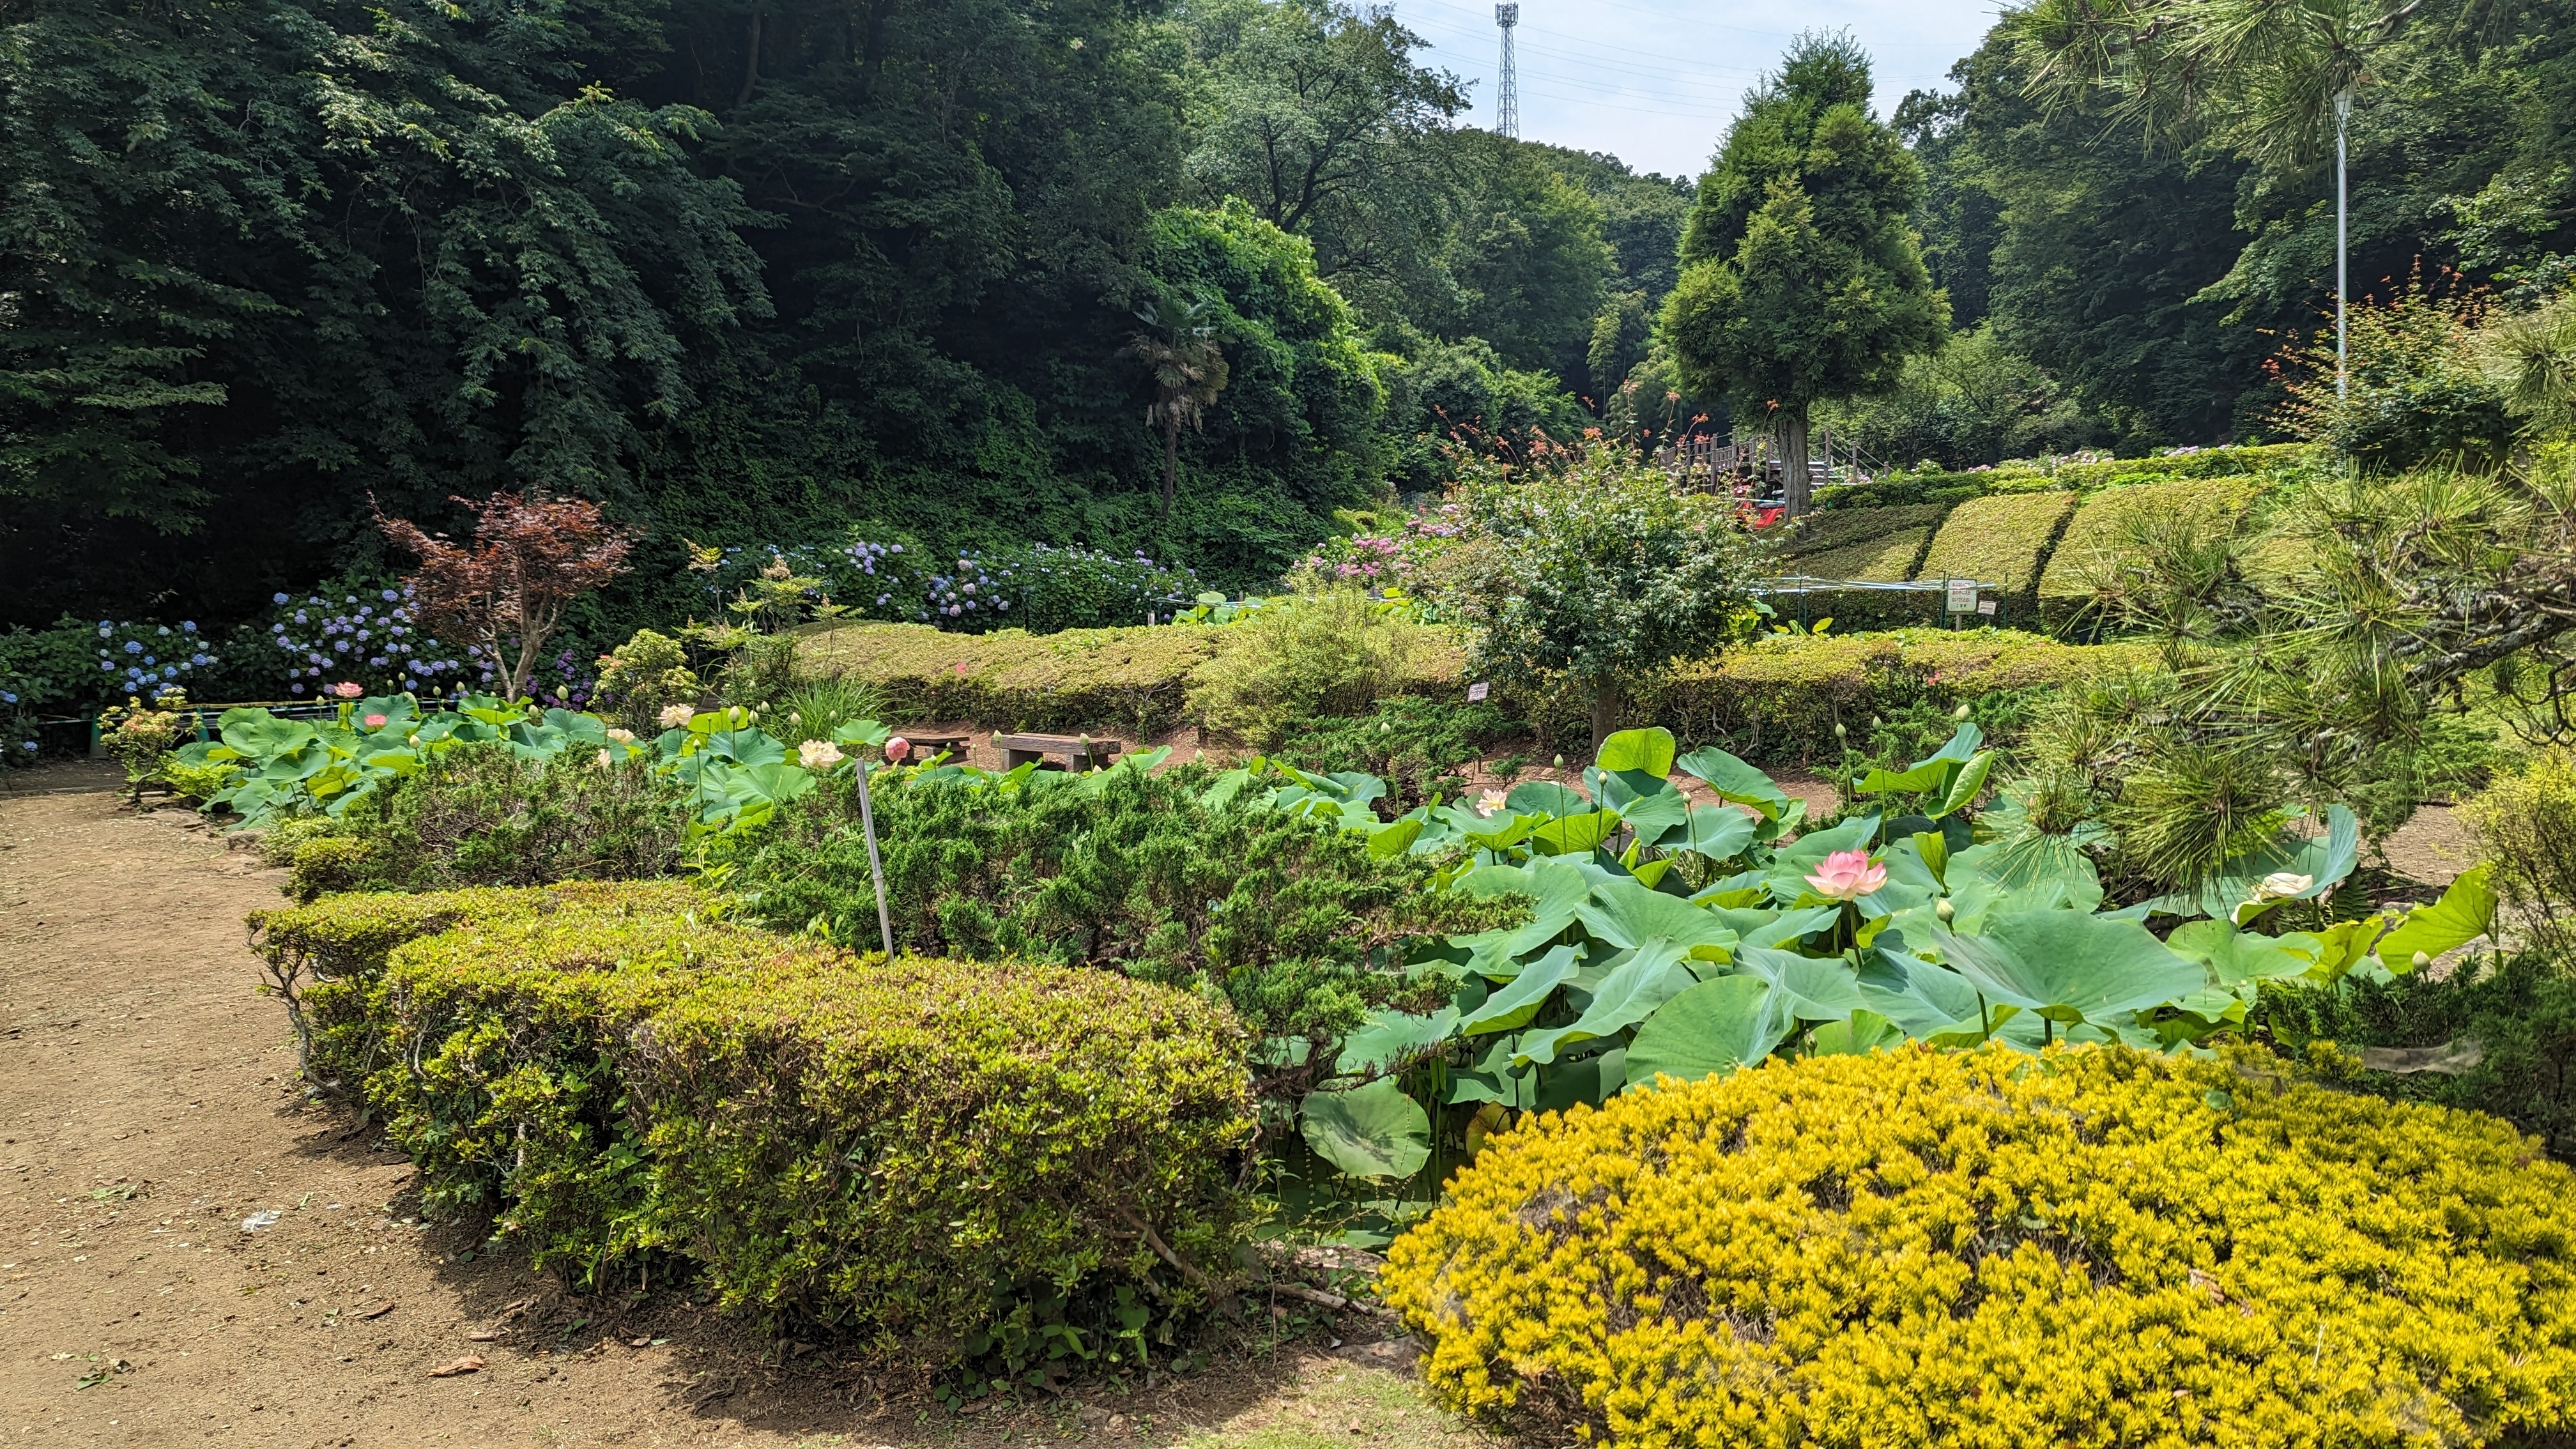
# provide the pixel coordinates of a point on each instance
(2521, 1010)
(479, 815)
(1290, 920)
(1415, 745)
(1801, 277)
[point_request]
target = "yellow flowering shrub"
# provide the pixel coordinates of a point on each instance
(2090, 1247)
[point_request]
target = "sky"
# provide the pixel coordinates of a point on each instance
(1654, 82)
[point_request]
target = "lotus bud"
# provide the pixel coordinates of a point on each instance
(2422, 961)
(1560, 762)
(1876, 723)
(1960, 714)
(1944, 909)
(896, 749)
(1840, 733)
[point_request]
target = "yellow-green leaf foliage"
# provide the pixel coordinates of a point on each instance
(1999, 539)
(1886, 559)
(615, 1074)
(1131, 680)
(2526, 823)
(2092, 1247)
(1334, 653)
(2094, 538)
(1779, 698)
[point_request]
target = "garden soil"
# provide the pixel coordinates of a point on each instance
(192, 1254)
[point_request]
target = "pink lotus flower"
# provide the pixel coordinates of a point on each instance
(375, 721)
(347, 690)
(896, 749)
(1847, 875)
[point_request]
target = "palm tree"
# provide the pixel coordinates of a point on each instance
(1189, 370)
(2262, 77)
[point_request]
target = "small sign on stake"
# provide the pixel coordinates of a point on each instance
(1962, 596)
(1986, 606)
(1476, 692)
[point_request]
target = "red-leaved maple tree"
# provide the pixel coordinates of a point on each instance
(532, 556)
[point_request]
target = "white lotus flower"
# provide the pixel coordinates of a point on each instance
(676, 716)
(818, 754)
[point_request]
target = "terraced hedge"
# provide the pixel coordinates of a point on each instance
(2092, 538)
(1776, 701)
(2000, 539)
(1829, 533)
(2025, 477)
(1130, 680)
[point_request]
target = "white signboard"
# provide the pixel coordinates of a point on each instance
(1963, 596)
(1476, 693)
(1985, 606)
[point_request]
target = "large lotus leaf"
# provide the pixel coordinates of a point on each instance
(1491, 1077)
(1546, 797)
(869, 733)
(2236, 956)
(1648, 750)
(1386, 1039)
(1810, 988)
(1576, 834)
(1858, 1035)
(1720, 832)
(2325, 860)
(1386, 842)
(1592, 1079)
(1713, 1027)
(262, 736)
(1855, 834)
(1374, 1131)
(1659, 819)
(2068, 966)
(1629, 915)
(1735, 780)
(300, 764)
(399, 711)
(585, 728)
(1520, 998)
(2465, 912)
(1628, 994)
(746, 747)
(1557, 892)
(2069, 883)
(1932, 773)
(1924, 998)
(1962, 790)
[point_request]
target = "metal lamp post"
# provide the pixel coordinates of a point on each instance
(2343, 113)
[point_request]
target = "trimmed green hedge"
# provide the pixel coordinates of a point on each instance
(1777, 700)
(906, 1149)
(2025, 476)
(1826, 533)
(2002, 539)
(1132, 680)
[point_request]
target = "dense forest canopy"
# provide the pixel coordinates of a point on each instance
(758, 271)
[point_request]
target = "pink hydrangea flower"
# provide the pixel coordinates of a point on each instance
(1847, 875)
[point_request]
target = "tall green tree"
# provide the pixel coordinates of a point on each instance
(1802, 277)
(1529, 259)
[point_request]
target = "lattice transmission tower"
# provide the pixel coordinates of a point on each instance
(1507, 95)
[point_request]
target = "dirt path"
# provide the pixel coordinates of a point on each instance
(148, 1111)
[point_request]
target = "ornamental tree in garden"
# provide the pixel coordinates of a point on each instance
(1802, 277)
(1585, 562)
(532, 556)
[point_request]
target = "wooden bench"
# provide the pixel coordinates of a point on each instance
(1079, 753)
(925, 746)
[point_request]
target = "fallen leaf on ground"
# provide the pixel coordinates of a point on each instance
(471, 1363)
(639, 1342)
(379, 1311)
(487, 1335)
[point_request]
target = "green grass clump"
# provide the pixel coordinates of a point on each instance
(2094, 1246)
